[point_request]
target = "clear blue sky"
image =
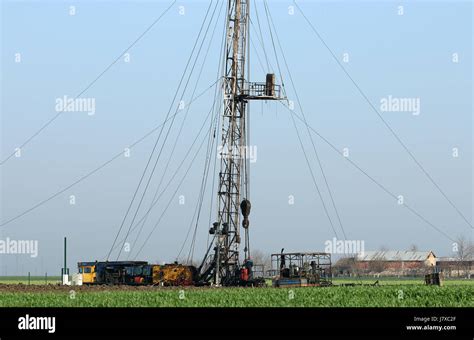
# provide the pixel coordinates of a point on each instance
(407, 55)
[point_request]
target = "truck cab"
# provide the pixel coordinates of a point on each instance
(87, 270)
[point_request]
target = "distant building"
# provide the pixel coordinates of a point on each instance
(394, 260)
(451, 266)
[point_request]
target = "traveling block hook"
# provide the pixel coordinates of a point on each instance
(245, 208)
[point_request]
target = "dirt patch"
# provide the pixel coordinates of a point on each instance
(56, 288)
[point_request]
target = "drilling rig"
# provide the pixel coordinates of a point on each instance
(221, 265)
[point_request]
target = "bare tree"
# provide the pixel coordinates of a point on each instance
(260, 257)
(464, 253)
(346, 266)
(413, 247)
(377, 264)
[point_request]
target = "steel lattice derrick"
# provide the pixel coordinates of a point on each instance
(223, 266)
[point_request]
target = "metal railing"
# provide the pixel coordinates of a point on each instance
(256, 90)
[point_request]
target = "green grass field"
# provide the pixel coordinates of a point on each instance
(400, 281)
(390, 293)
(40, 280)
(384, 296)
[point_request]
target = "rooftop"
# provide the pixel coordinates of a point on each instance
(393, 255)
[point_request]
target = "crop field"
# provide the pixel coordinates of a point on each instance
(400, 281)
(390, 293)
(41, 280)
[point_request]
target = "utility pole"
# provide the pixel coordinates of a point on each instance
(65, 269)
(224, 265)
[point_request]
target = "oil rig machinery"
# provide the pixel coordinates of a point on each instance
(307, 269)
(222, 265)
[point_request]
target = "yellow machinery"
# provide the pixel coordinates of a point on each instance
(87, 269)
(173, 275)
(137, 273)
